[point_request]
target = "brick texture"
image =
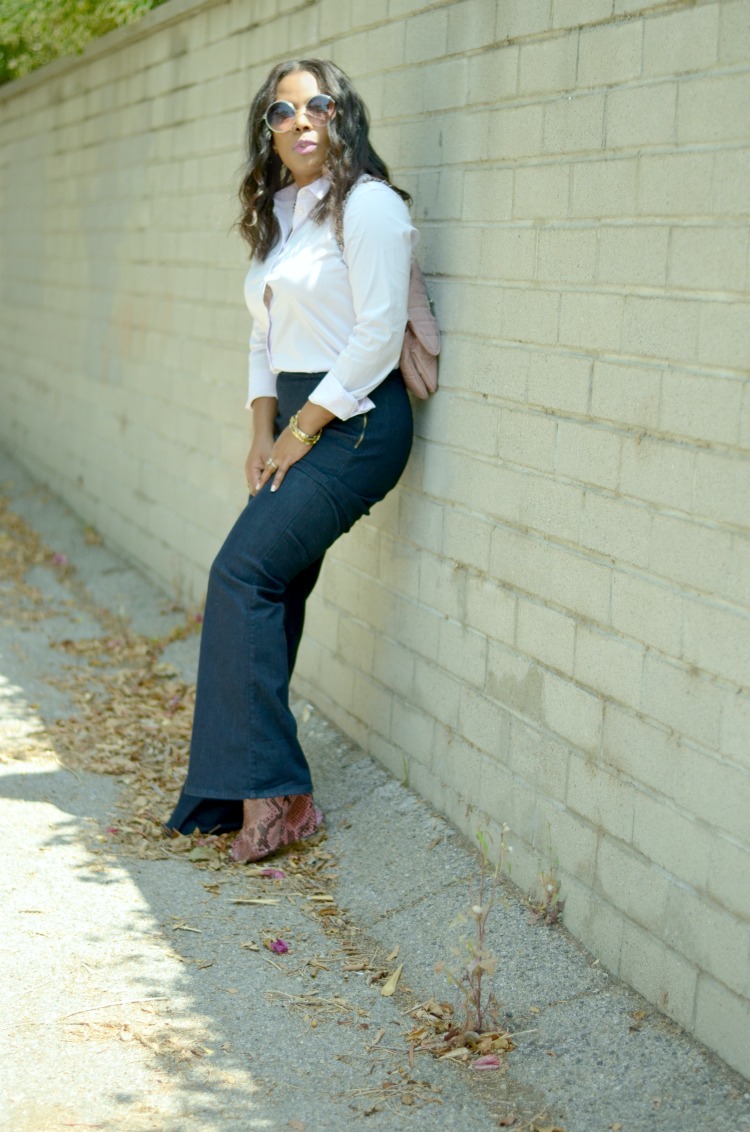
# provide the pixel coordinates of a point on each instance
(548, 622)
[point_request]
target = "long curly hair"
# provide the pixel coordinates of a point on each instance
(350, 154)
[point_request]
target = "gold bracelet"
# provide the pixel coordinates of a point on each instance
(305, 437)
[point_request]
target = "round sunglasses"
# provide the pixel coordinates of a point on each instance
(281, 116)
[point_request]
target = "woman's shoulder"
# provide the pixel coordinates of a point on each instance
(372, 201)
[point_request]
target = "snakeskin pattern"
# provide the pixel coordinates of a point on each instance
(271, 823)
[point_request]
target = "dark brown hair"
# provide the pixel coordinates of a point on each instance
(350, 154)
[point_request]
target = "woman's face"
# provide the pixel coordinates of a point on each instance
(303, 148)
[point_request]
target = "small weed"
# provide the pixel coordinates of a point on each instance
(479, 1007)
(550, 907)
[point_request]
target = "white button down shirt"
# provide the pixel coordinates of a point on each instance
(342, 314)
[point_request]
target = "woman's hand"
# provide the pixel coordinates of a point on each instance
(255, 464)
(286, 451)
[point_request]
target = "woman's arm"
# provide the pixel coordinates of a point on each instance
(378, 242)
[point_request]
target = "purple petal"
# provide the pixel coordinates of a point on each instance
(274, 874)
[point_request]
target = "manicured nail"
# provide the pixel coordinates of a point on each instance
(273, 486)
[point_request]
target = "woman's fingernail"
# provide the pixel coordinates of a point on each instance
(274, 486)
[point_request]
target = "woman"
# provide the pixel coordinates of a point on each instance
(331, 244)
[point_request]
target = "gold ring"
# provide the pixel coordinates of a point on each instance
(271, 464)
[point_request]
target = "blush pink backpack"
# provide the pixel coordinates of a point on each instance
(421, 347)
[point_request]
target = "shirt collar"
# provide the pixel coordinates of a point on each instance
(305, 197)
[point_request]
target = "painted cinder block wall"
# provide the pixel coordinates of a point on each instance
(548, 624)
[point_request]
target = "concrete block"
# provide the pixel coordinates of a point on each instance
(725, 335)
(412, 732)
(545, 634)
(541, 191)
(626, 394)
(417, 627)
(735, 728)
(548, 65)
(508, 252)
(471, 24)
(713, 109)
(463, 652)
(561, 576)
(484, 723)
(466, 423)
(385, 44)
(529, 439)
(633, 254)
(610, 54)
(729, 875)
(658, 472)
(490, 608)
(641, 116)
(488, 195)
(672, 840)
(704, 408)
(609, 665)
(551, 507)
(588, 453)
(592, 321)
(722, 1020)
(616, 529)
(734, 32)
(647, 612)
(517, 18)
(466, 538)
(515, 131)
(683, 41)
(528, 315)
(604, 799)
(575, 13)
(708, 257)
(442, 582)
(437, 692)
(515, 682)
(639, 749)
(540, 761)
(574, 124)
(572, 712)
(663, 976)
(721, 487)
(371, 703)
(493, 75)
(420, 521)
(691, 553)
(704, 933)
(631, 883)
(398, 566)
(560, 381)
(661, 328)
(504, 798)
(731, 170)
(716, 639)
(679, 697)
(567, 254)
(426, 36)
(675, 184)
(392, 664)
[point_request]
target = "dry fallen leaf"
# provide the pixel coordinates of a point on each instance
(391, 982)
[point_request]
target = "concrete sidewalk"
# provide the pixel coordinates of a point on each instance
(138, 994)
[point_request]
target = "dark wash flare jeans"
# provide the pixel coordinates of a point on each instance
(244, 742)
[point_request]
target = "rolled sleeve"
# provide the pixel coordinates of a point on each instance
(261, 378)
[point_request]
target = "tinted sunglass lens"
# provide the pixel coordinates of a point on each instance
(280, 116)
(320, 108)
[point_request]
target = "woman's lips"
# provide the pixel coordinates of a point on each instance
(305, 146)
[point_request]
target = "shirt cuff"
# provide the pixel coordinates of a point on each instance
(331, 395)
(261, 385)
